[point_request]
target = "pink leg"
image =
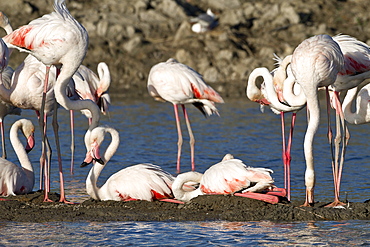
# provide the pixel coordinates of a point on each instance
(57, 143)
(192, 139)
(72, 139)
(287, 155)
(179, 142)
(284, 149)
(338, 167)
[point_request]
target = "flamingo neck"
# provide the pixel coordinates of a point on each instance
(91, 182)
(350, 116)
(179, 183)
(76, 105)
(21, 153)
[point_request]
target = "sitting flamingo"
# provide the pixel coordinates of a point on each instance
(139, 182)
(226, 177)
(15, 180)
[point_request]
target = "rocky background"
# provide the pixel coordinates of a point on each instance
(133, 35)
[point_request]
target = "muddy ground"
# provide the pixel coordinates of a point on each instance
(30, 208)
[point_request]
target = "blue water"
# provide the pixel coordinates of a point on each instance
(148, 134)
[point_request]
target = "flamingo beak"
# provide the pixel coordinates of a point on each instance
(30, 143)
(93, 155)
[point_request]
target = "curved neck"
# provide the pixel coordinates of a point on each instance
(253, 92)
(350, 116)
(77, 105)
(179, 183)
(21, 152)
(290, 96)
(92, 189)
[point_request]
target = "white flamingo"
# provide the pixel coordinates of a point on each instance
(138, 182)
(15, 180)
(226, 177)
(179, 84)
(55, 39)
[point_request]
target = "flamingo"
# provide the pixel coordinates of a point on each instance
(5, 75)
(89, 86)
(361, 115)
(270, 93)
(356, 68)
(15, 180)
(138, 182)
(226, 177)
(55, 39)
(179, 84)
(315, 63)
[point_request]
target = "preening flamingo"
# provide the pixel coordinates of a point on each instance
(15, 180)
(55, 39)
(271, 93)
(179, 84)
(315, 63)
(5, 76)
(226, 177)
(361, 113)
(138, 182)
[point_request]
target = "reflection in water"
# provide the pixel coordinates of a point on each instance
(218, 233)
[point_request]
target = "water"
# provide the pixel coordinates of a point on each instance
(148, 134)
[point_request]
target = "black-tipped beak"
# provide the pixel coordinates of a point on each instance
(84, 164)
(100, 161)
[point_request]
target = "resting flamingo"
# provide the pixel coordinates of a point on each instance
(315, 63)
(138, 182)
(5, 76)
(272, 93)
(361, 115)
(15, 180)
(55, 39)
(226, 177)
(179, 84)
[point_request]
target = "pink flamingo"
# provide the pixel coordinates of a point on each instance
(179, 84)
(54, 39)
(271, 93)
(15, 180)
(315, 63)
(138, 182)
(356, 57)
(226, 177)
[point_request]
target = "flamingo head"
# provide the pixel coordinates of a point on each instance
(93, 155)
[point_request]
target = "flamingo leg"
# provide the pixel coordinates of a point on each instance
(179, 142)
(72, 140)
(57, 143)
(338, 165)
(330, 133)
(288, 150)
(3, 139)
(192, 139)
(284, 149)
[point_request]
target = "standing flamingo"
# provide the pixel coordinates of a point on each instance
(270, 93)
(356, 69)
(55, 39)
(179, 84)
(15, 180)
(226, 177)
(138, 182)
(5, 76)
(315, 63)
(361, 115)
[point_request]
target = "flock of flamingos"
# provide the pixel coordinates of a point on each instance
(52, 74)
